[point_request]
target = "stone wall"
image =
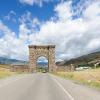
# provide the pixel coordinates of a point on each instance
(19, 68)
(66, 68)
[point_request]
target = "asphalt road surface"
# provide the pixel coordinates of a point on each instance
(44, 86)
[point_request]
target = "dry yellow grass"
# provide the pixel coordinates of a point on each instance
(5, 72)
(90, 77)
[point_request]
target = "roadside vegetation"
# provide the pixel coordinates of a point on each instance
(90, 77)
(42, 69)
(5, 72)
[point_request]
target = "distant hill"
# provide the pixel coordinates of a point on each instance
(85, 59)
(42, 64)
(11, 61)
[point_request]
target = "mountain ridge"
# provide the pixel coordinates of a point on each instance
(4, 60)
(84, 59)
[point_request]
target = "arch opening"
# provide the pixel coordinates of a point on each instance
(42, 64)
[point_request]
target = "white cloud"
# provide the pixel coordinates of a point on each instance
(42, 59)
(93, 11)
(81, 6)
(32, 2)
(63, 10)
(29, 22)
(72, 37)
(10, 45)
(94, 43)
(10, 16)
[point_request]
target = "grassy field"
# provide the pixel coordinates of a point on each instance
(88, 77)
(5, 72)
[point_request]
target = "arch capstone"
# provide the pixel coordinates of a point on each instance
(47, 51)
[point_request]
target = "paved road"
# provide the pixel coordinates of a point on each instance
(43, 86)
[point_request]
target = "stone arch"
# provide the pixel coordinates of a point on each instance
(42, 56)
(37, 56)
(46, 51)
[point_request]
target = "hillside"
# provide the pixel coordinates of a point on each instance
(42, 64)
(11, 61)
(85, 59)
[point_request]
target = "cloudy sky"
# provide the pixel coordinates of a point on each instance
(72, 25)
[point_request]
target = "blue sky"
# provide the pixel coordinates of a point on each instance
(43, 13)
(69, 24)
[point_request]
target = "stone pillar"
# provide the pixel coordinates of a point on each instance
(32, 65)
(72, 67)
(51, 61)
